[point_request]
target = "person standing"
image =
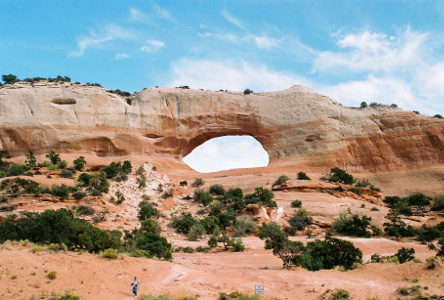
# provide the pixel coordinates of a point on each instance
(135, 285)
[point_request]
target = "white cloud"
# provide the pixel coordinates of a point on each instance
(230, 75)
(232, 19)
(137, 15)
(368, 51)
(97, 39)
(266, 42)
(122, 56)
(162, 12)
(225, 153)
(152, 46)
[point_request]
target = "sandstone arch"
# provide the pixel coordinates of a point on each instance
(297, 125)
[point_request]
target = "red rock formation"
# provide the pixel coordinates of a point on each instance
(297, 126)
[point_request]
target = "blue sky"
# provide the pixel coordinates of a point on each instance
(353, 51)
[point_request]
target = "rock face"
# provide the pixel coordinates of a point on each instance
(297, 126)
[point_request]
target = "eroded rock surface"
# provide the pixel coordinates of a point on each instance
(296, 126)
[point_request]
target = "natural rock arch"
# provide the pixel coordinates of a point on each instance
(297, 125)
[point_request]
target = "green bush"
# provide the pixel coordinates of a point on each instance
(60, 191)
(183, 223)
(19, 185)
(212, 242)
(196, 232)
(438, 203)
(247, 91)
(281, 179)
(110, 253)
(9, 79)
(53, 167)
(351, 225)
(62, 164)
(418, 199)
(340, 294)
(79, 163)
(210, 224)
(261, 196)
(202, 197)
(244, 226)
(52, 274)
(85, 210)
(298, 222)
(84, 179)
(303, 176)
(341, 176)
(296, 203)
(78, 195)
(147, 210)
(65, 173)
(183, 183)
(147, 241)
(69, 296)
(363, 104)
(405, 255)
(53, 157)
(198, 182)
(217, 189)
(60, 227)
(17, 169)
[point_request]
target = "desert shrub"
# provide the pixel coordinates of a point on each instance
(52, 274)
(147, 241)
(247, 91)
(396, 227)
(426, 234)
(357, 191)
(112, 169)
(298, 222)
(296, 203)
(402, 205)
(119, 92)
(198, 182)
(147, 210)
(19, 185)
(351, 225)
(340, 294)
(121, 177)
(210, 224)
(281, 179)
(217, 189)
(60, 191)
(244, 226)
(183, 183)
(8, 208)
(303, 176)
(341, 176)
(84, 210)
(54, 158)
(60, 227)
(65, 173)
(9, 79)
(78, 195)
(120, 197)
(405, 255)
(141, 181)
(196, 232)
(95, 193)
(438, 116)
(316, 255)
(438, 203)
(363, 183)
(110, 253)
(17, 169)
(418, 199)
(237, 244)
(84, 179)
(261, 196)
(62, 164)
(53, 168)
(79, 163)
(363, 104)
(212, 242)
(183, 223)
(203, 197)
(69, 296)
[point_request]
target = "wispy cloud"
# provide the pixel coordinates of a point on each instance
(230, 75)
(97, 38)
(152, 46)
(122, 56)
(232, 19)
(162, 13)
(138, 16)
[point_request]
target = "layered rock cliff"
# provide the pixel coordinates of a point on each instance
(297, 126)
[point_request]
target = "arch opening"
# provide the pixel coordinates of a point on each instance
(227, 153)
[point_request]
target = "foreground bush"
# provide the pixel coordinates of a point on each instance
(59, 227)
(316, 255)
(298, 222)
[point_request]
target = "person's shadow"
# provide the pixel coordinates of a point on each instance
(127, 295)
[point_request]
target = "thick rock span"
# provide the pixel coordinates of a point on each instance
(297, 126)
